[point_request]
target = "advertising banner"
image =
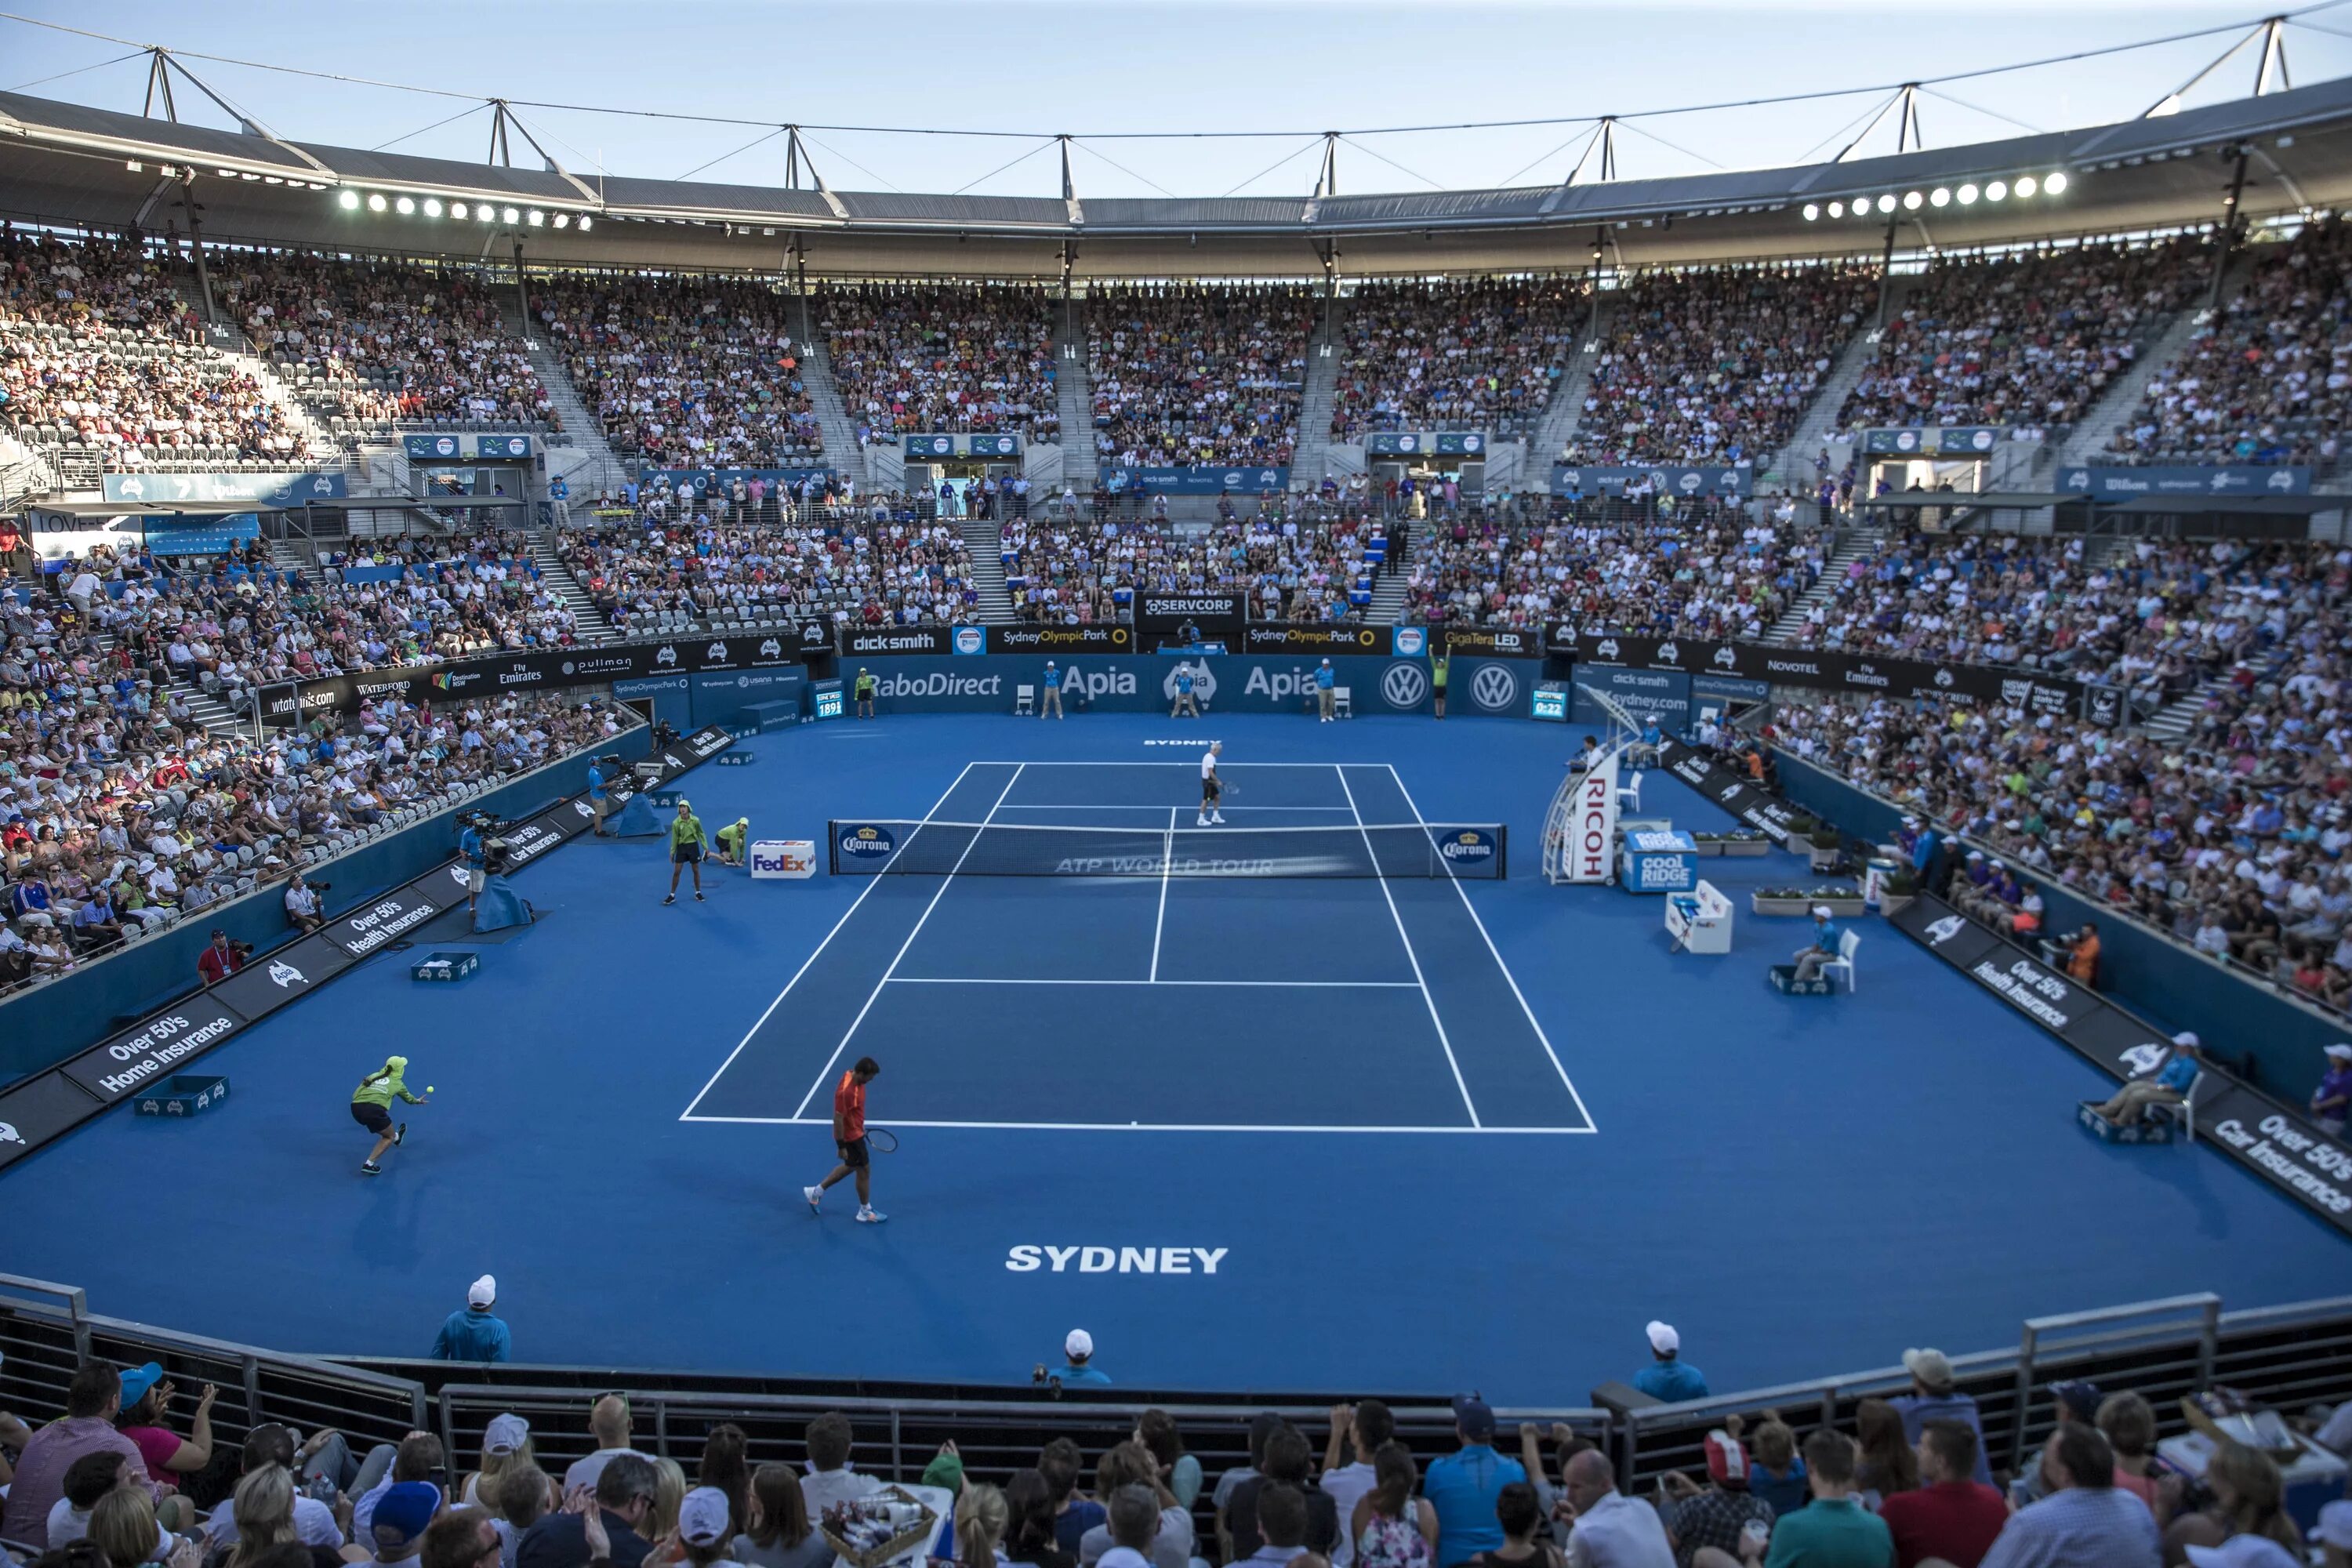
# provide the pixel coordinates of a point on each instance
(1167, 617)
(1665, 480)
(1593, 824)
(282, 976)
(39, 1110)
(718, 698)
(1662, 694)
(915, 447)
(1947, 441)
(386, 920)
(1274, 637)
(291, 490)
(1061, 641)
(892, 642)
(432, 450)
(1726, 789)
(2230, 480)
(1200, 481)
(1418, 443)
(1496, 688)
(702, 482)
(152, 1050)
(1821, 669)
(215, 535)
(1501, 641)
(2276, 1143)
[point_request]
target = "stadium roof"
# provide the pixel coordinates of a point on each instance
(69, 163)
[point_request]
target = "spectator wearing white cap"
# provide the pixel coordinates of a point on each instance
(506, 1445)
(2168, 1085)
(475, 1334)
(1824, 947)
(1933, 1398)
(1668, 1377)
(703, 1528)
(2333, 1098)
(2333, 1535)
(1079, 1346)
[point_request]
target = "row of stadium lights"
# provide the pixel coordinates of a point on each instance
(480, 212)
(2026, 186)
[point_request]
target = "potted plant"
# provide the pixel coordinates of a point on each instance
(1709, 844)
(1779, 901)
(1747, 842)
(1826, 847)
(1900, 889)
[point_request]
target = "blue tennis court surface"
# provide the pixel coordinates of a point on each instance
(1275, 1135)
(1344, 1004)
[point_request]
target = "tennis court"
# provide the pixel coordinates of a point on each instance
(1318, 961)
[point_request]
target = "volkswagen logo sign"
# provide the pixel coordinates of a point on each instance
(1494, 687)
(1404, 685)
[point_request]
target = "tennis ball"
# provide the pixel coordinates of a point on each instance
(428, 1089)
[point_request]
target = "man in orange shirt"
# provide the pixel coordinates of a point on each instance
(2082, 962)
(849, 1137)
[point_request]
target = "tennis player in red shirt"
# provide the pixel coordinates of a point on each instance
(849, 1137)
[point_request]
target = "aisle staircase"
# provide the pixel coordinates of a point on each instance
(1817, 423)
(1388, 594)
(1851, 547)
(1074, 392)
(986, 541)
(2174, 719)
(602, 470)
(2084, 444)
(1548, 439)
(841, 449)
(589, 624)
(1309, 461)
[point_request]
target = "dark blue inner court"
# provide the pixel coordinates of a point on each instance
(1436, 1134)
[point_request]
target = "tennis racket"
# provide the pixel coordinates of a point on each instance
(882, 1140)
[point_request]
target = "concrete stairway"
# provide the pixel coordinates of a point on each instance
(840, 432)
(216, 716)
(985, 541)
(1073, 392)
(1561, 415)
(2173, 720)
(1819, 422)
(1309, 459)
(601, 470)
(1388, 594)
(323, 442)
(589, 622)
(1850, 549)
(2089, 438)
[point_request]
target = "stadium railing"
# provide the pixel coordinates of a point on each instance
(2286, 1356)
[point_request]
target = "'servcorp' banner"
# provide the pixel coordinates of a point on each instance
(1165, 617)
(2279, 1145)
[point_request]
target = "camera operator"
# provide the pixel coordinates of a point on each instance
(222, 958)
(303, 910)
(664, 733)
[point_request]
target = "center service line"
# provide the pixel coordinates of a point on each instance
(1167, 855)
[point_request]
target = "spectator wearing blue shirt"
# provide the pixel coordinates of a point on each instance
(1933, 1398)
(2168, 1085)
(1669, 1377)
(478, 865)
(474, 1334)
(1079, 1346)
(1053, 703)
(1826, 937)
(1326, 683)
(1464, 1485)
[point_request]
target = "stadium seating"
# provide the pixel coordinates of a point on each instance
(1479, 356)
(912, 360)
(1298, 560)
(690, 373)
(1715, 366)
(1197, 375)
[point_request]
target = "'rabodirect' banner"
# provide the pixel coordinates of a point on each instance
(1588, 479)
(2276, 1144)
(295, 703)
(1820, 670)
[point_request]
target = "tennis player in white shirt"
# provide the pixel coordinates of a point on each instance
(1210, 788)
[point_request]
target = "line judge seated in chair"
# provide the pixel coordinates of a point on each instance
(1826, 937)
(2167, 1086)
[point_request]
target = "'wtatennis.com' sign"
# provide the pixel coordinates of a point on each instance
(1029, 1259)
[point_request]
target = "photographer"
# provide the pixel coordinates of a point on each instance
(222, 958)
(302, 908)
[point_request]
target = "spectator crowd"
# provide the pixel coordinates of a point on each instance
(1480, 356)
(1295, 559)
(935, 358)
(1187, 375)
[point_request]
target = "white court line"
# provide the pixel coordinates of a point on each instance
(689, 1113)
(1007, 761)
(1167, 860)
(1427, 1000)
(1158, 1127)
(1507, 978)
(945, 883)
(1274, 985)
(1098, 806)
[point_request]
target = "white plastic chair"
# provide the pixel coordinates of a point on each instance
(1343, 704)
(1845, 960)
(1024, 700)
(2186, 1112)
(1629, 795)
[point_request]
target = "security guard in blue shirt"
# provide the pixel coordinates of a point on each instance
(478, 864)
(1826, 937)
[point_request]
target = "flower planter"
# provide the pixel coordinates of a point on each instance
(1758, 904)
(1746, 848)
(1823, 859)
(1894, 903)
(1710, 847)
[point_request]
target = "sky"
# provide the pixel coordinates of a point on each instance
(1105, 69)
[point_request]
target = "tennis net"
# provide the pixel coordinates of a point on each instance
(1472, 850)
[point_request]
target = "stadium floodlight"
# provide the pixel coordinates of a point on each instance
(1837, 209)
(1968, 194)
(511, 216)
(2026, 186)
(376, 203)
(133, 166)
(538, 219)
(458, 211)
(226, 173)
(1995, 190)
(1813, 211)
(249, 175)
(271, 180)
(2056, 185)
(485, 212)
(406, 206)
(349, 201)
(563, 220)
(1887, 204)
(1939, 197)
(1911, 200)
(583, 222)
(432, 207)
